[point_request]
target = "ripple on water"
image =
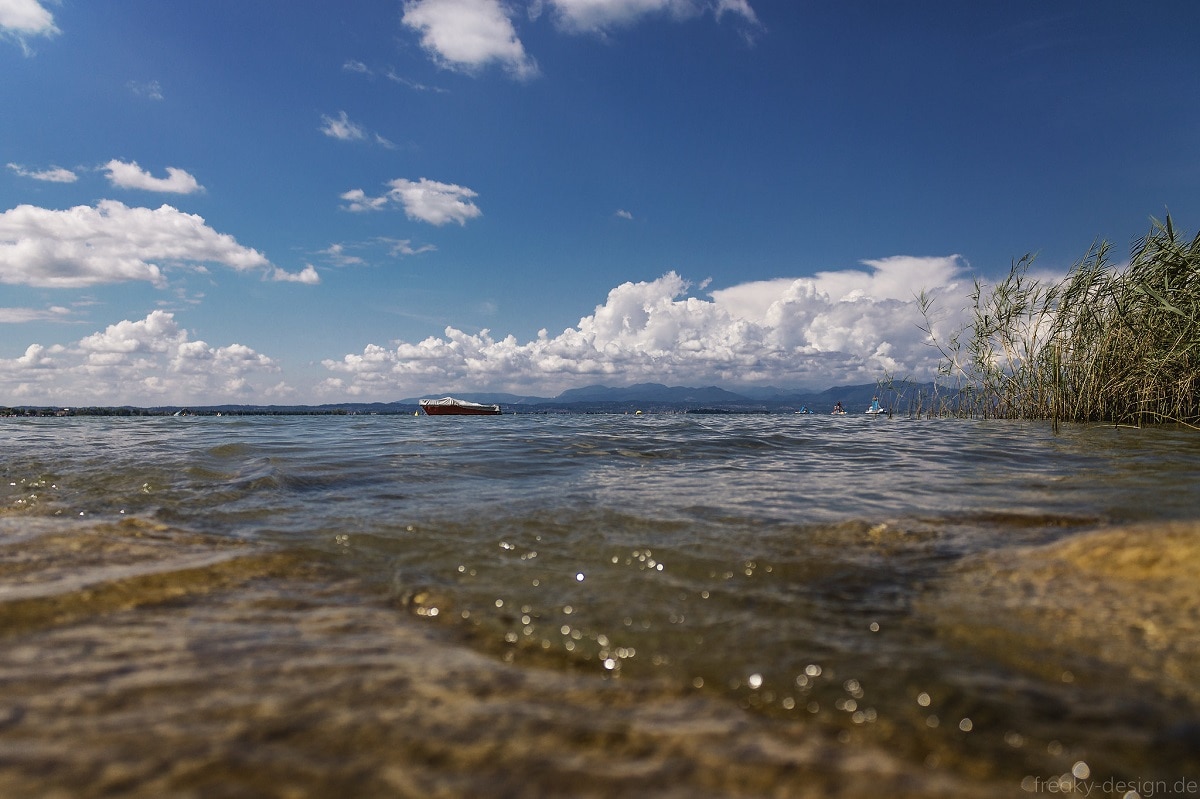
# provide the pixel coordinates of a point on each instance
(176, 663)
(533, 606)
(61, 571)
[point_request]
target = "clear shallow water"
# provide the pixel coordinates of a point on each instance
(589, 606)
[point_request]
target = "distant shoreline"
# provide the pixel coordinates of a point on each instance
(42, 412)
(54, 412)
(648, 398)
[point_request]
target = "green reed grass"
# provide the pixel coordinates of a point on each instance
(1106, 344)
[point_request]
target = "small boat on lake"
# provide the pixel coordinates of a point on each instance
(449, 406)
(875, 410)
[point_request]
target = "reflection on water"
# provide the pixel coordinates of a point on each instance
(593, 606)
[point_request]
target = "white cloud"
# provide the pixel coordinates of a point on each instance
(433, 202)
(26, 17)
(307, 276)
(111, 243)
(423, 200)
(895, 278)
(156, 333)
(22, 18)
(837, 327)
(144, 362)
(358, 201)
(466, 35)
(601, 15)
(54, 174)
(131, 176)
(20, 315)
(623, 214)
(342, 128)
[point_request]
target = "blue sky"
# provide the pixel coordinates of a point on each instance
(301, 202)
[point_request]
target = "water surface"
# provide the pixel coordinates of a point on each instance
(663, 605)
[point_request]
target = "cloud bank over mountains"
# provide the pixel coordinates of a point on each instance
(848, 326)
(836, 327)
(143, 362)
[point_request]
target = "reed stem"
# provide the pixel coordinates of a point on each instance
(1104, 344)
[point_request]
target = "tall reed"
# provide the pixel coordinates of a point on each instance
(1104, 344)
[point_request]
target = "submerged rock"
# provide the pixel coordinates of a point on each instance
(1111, 603)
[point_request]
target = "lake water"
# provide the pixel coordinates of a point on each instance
(595, 606)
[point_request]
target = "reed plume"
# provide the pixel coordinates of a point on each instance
(1103, 345)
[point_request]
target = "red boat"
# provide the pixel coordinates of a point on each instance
(449, 406)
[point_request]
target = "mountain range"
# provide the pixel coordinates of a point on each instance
(648, 397)
(656, 396)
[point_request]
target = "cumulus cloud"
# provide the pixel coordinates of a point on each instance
(54, 174)
(131, 176)
(467, 35)
(423, 200)
(835, 327)
(22, 18)
(433, 202)
(308, 275)
(110, 243)
(147, 361)
(26, 17)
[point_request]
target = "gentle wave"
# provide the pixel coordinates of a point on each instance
(526, 605)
